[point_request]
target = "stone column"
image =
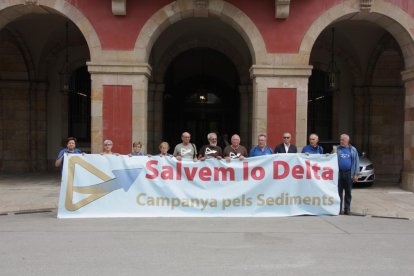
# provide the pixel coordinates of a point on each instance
(16, 154)
(140, 109)
(408, 167)
(245, 114)
(360, 115)
(259, 106)
(267, 77)
(130, 74)
(38, 116)
(155, 116)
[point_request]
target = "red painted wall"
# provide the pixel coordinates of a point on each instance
(118, 32)
(284, 35)
(117, 117)
(281, 114)
(280, 36)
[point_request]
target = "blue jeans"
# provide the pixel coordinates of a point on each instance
(345, 183)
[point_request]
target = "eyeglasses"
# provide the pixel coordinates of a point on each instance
(108, 145)
(286, 137)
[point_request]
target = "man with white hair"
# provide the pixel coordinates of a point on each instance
(211, 150)
(313, 147)
(185, 150)
(348, 163)
(235, 150)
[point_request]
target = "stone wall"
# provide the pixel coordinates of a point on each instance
(22, 112)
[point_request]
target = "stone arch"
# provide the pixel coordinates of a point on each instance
(22, 46)
(346, 57)
(60, 6)
(158, 75)
(182, 9)
(373, 60)
(384, 14)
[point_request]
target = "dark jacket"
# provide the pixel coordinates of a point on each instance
(281, 149)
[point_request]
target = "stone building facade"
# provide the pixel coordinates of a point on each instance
(146, 70)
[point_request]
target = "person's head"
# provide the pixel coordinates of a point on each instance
(261, 140)
(164, 147)
(212, 139)
(136, 147)
(185, 137)
(313, 140)
(286, 138)
(344, 140)
(235, 140)
(108, 146)
(71, 143)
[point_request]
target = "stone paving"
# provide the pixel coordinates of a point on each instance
(40, 192)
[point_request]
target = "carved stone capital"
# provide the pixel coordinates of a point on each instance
(280, 71)
(200, 8)
(365, 5)
(408, 75)
(31, 2)
(120, 68)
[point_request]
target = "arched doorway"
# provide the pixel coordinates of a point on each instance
(200, 83)
(368, 103)
(38, 116)
(203, 99)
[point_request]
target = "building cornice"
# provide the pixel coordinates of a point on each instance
(280, 71)
(122, 68)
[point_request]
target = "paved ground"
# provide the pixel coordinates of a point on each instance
(39, 244)
(19, 193)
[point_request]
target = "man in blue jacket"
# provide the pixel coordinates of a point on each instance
(261, 148)
(348, 163)
(313, 147)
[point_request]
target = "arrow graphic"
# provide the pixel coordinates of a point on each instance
(123, 179)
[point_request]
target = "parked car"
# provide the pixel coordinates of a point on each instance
(366, 168)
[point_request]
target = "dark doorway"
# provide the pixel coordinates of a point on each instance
(80, 105)
(201, 96)
(319, 105)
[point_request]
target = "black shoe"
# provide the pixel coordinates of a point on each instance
(347, 212)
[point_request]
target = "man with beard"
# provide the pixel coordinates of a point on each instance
(211, 150)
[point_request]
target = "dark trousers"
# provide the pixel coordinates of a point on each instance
(345, 183)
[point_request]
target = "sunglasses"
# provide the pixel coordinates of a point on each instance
(286, 137)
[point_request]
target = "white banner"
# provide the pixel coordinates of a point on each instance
(267, 186)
